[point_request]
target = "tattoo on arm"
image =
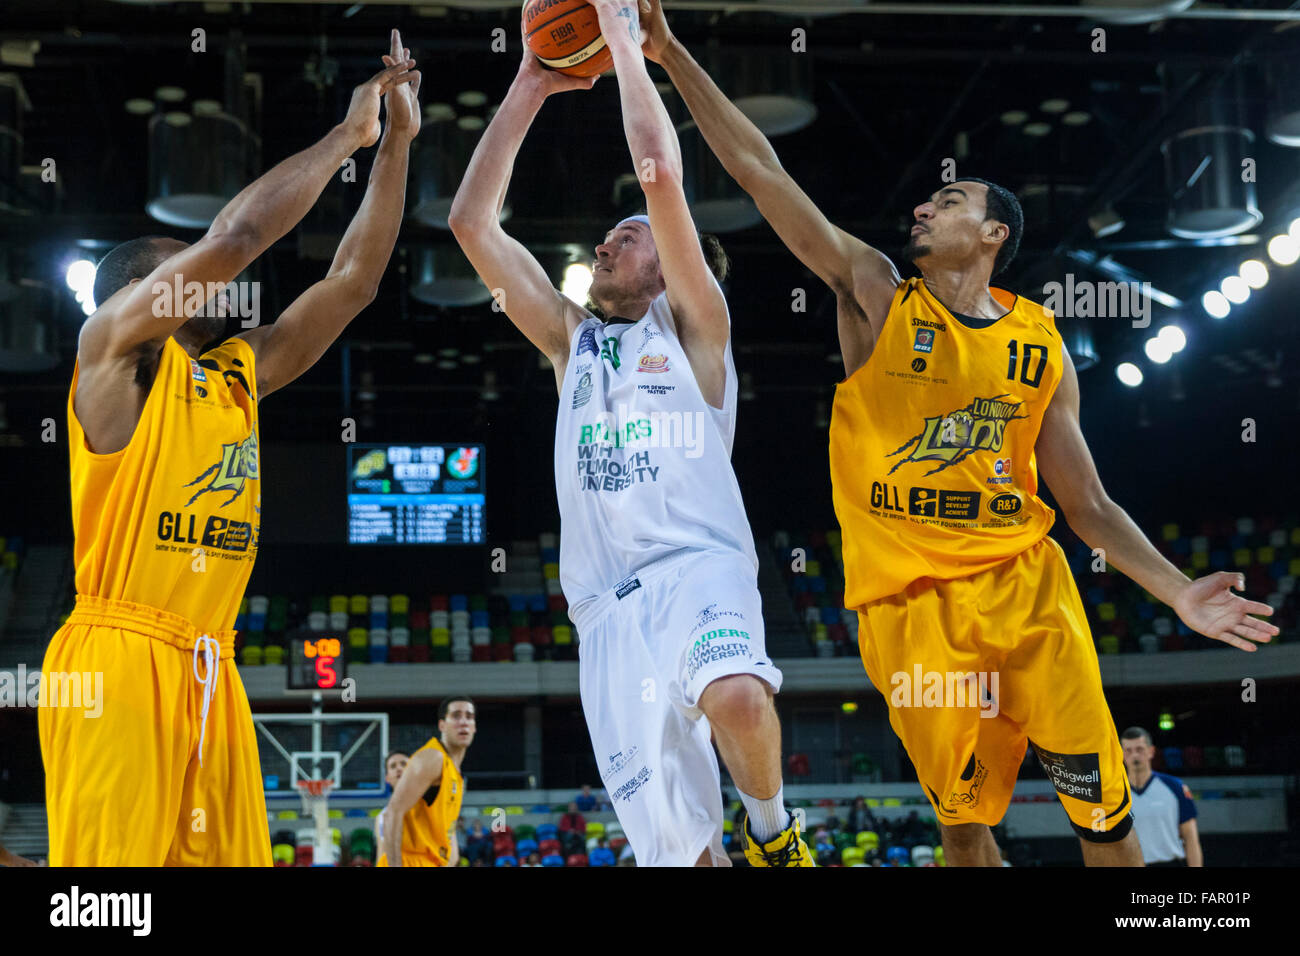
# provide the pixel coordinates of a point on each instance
(633, 27)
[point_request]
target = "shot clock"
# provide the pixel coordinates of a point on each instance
(317, 660)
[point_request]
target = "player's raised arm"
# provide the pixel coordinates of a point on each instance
(424, 770)
(530, 300)
(250, 223)
(848, 265)
(1206, 605)
(316, 318)
(693, 294)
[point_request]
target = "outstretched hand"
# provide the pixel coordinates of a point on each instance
(1208, 606)
(363, 112)
(402, 99)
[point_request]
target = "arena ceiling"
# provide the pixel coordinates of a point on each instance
(895, 95)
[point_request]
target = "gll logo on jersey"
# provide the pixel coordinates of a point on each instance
(924, 341)
(196, 372)
(653, 363)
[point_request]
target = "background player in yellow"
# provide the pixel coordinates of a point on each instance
(419, 827)
(955, 394)
(166, 505)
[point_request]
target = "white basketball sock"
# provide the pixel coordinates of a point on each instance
(768, 817)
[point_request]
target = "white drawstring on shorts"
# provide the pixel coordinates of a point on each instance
(212, 662)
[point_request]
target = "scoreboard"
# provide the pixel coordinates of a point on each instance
(415, 494)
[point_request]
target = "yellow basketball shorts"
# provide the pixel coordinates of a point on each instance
(123, 780)
(410, 858)
(1019, 628)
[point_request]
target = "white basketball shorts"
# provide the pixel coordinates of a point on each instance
(647, 649)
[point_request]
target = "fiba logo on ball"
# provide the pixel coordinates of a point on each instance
(918, 364)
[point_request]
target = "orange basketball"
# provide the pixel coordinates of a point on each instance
(565, 36)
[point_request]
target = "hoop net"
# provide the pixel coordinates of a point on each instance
(315, 795)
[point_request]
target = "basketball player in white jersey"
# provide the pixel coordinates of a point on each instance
(656, 555)
(394, 764)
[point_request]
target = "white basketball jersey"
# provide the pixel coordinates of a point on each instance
(642, 461)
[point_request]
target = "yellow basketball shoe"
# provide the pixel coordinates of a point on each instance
(785, 849)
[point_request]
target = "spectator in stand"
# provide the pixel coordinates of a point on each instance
(912, 832)
(601, 854)
(586, 801)
(860, 817)
(573, 820)
(532, 860)
(824, 847)
(477, 844)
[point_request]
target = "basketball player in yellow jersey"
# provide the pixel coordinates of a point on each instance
(955, 393)
(420, 820)
(166, 500)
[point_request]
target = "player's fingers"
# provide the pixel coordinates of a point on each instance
(395, 43)
(1255, 607)
(1253, 626)
(386, 75)
(396, 80)
(1250, 634)
(1240, 642)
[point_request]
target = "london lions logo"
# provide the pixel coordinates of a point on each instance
(951, 438)
(369, 463)
(464, 463)
(653, 363)
(238, 464)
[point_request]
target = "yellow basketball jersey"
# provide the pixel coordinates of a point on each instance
(932, 443)
(427, 826)
(171, 520)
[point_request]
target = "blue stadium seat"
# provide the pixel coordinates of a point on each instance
(459, 602)
(548, 831)
(525, 847)
(506, 861)
(553, 860)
